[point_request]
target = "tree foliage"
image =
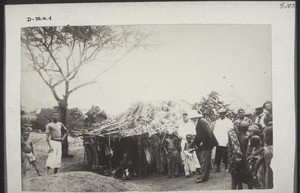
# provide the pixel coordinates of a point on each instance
(94, 115)
(58, 54)
(210, 105)
(74, 116)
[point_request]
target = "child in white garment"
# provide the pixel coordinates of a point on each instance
(191, 162)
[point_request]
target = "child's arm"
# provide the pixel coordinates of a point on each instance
(192, 149)
(48, 138)
(259, 161)
(249, 149)
(185, 146)
(31, 148)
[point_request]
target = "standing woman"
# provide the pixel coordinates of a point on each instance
(237, 147)
(266, 116)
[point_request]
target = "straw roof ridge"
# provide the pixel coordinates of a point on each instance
(141, 118)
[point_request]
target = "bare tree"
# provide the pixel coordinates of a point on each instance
(57, 55)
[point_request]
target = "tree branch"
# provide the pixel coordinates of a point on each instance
(67, 89)
(71, 54)
(81, 85)
(54, 60)
(42, 76)
(55, 94)
(113, 64)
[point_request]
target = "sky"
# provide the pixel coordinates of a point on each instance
(187, 62)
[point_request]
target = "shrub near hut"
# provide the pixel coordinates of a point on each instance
(210, 105)
(74, 119)
(95, 115)
(28, 120)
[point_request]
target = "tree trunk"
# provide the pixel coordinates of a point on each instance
(62, 105)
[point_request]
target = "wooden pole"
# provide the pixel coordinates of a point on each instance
(89, 156)
(84, 154)
(96, 153)
(109, 156)
(140, 154)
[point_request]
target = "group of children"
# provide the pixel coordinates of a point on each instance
(259, 156)
(177, 157)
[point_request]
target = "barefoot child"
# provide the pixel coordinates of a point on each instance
(191, 163)
(252, 160)
(265, 172)
(28, 158)
(172, 146)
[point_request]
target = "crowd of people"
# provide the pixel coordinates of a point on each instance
(244, 146)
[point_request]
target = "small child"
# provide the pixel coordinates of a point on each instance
(265, 172)
(28, 158)
(172, 147)
(253, 158)
(191, 163)
(254, 132)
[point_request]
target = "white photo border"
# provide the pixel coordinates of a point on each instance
(281, 19)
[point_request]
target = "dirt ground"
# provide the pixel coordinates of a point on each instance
(74, 177)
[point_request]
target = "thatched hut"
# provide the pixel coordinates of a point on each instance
(139, 132)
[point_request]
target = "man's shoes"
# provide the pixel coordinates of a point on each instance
(167, 177)
(67, 156)
(199, 180)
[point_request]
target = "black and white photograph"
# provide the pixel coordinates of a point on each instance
(147, 107)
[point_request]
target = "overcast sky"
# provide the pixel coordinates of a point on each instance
(187, 62)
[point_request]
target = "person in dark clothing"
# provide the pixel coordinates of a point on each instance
(205, 140)
(238, 139)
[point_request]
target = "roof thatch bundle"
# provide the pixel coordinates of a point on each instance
(141, 118)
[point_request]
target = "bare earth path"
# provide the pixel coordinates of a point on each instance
(74, 177)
